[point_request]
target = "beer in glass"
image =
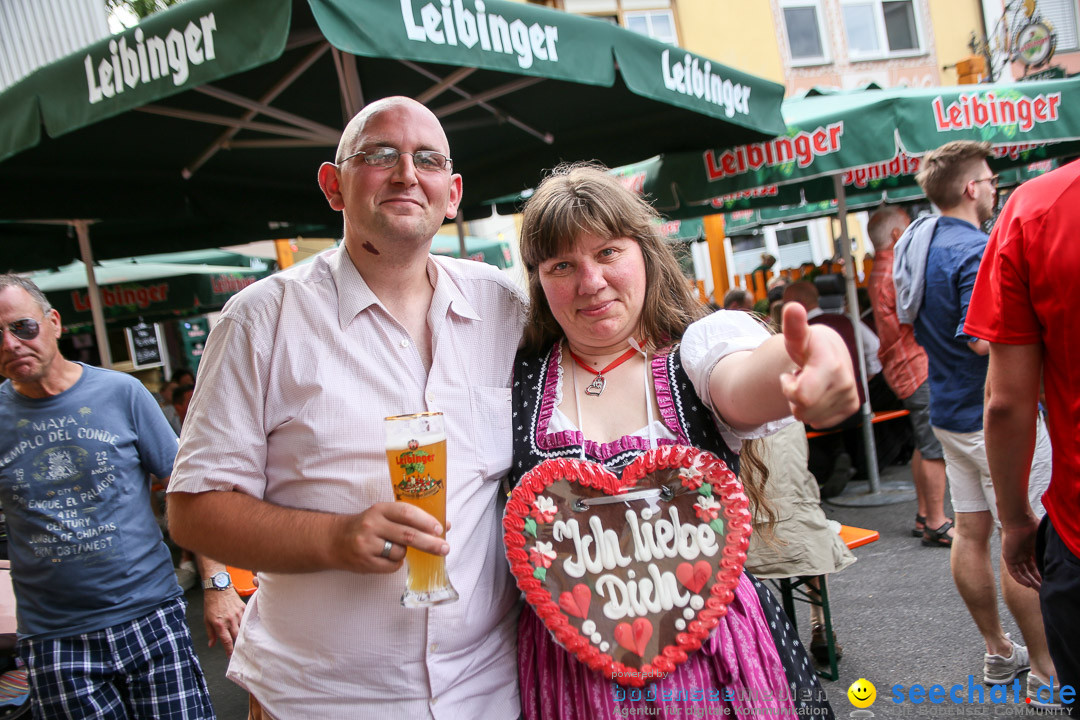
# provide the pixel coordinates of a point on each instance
(416, 453)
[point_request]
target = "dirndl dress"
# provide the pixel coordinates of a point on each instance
(752, 660)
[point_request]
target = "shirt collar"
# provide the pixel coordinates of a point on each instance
(354, 296)
(447, 293)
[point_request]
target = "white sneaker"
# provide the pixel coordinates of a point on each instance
(1034, 682)
(998, 670)
(187, 575)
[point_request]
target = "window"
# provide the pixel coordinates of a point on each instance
(653, 18)
(1062, 14)
(746, 251)
(880, 28)
(794, 246)
(657, 24)
(802, 23)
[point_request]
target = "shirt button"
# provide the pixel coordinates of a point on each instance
(434, 700)
(430, 397)
(404, 342)
(433, 647)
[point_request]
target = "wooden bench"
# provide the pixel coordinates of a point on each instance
(796, 588)
(879, 416)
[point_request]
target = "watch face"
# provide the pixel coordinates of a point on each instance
(221, 580)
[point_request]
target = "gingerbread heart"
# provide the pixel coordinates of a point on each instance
(630, 574)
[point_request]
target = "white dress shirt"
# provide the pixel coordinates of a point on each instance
(293, 388)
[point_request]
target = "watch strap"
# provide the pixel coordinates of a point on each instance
(208, 583)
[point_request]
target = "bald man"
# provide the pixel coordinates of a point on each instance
(284, 467)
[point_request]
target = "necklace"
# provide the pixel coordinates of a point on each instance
(597, 385)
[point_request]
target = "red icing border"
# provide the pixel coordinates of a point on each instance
(726, 487)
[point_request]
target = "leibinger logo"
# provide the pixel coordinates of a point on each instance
(973, 111)
(901, 165)
(454, 24)
(765, 191)
(802, 149)
(691, 77)
(150, 58)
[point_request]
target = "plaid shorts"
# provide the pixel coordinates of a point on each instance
(144, 668)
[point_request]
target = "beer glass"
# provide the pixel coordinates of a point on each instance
(416, 453)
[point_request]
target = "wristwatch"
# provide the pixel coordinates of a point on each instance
(218, 581)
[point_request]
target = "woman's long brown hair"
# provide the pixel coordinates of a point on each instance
(584, 199)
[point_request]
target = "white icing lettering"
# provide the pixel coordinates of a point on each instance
(607, 554)
(630, 598)
(569, 530)
(635, 532)
(666, 533)
(706, 541)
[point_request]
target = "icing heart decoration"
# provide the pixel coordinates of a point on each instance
(630, 574)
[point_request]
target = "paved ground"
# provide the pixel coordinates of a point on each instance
(896, 610)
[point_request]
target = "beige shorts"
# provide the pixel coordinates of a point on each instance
(969, 474)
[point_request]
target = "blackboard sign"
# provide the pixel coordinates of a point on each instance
(144, 345)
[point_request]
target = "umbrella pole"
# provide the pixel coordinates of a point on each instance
(82, 229)
(877, 495)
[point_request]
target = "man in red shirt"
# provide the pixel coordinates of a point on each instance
(1024, 303)
(904, 364)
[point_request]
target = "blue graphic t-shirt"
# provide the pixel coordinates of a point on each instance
(957, 375)
(86, 552)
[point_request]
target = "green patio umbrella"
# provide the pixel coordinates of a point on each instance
(143, 290)
(492, 252)
(871, 140)
(217, 113)
(209, 256)
(746, 221)
(651, 179)
(206, 123)
(740, 223)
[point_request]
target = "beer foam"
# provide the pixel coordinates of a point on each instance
(401, 440)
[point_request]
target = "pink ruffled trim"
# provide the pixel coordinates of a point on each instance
(664, 399)
(740, 657)
(569, 438)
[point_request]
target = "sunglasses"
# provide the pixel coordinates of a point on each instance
(25, 329)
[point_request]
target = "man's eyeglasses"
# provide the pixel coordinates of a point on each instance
(25, 329)
(387, 157)
(993, 180)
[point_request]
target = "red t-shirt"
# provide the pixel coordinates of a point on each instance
(1028, 291)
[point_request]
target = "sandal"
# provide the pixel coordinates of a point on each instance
(920, 526)
(939, 537)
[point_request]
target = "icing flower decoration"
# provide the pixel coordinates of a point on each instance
(691, 478)
(544, 509)
(707, 509)
(542, 554)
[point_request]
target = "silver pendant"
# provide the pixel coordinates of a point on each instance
(596, 386)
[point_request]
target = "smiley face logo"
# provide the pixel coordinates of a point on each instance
(862, 693)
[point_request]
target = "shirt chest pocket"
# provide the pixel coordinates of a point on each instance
(491, 430)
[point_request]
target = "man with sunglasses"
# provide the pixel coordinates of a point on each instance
(101, 619)
(284, 470)
(935, 265)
